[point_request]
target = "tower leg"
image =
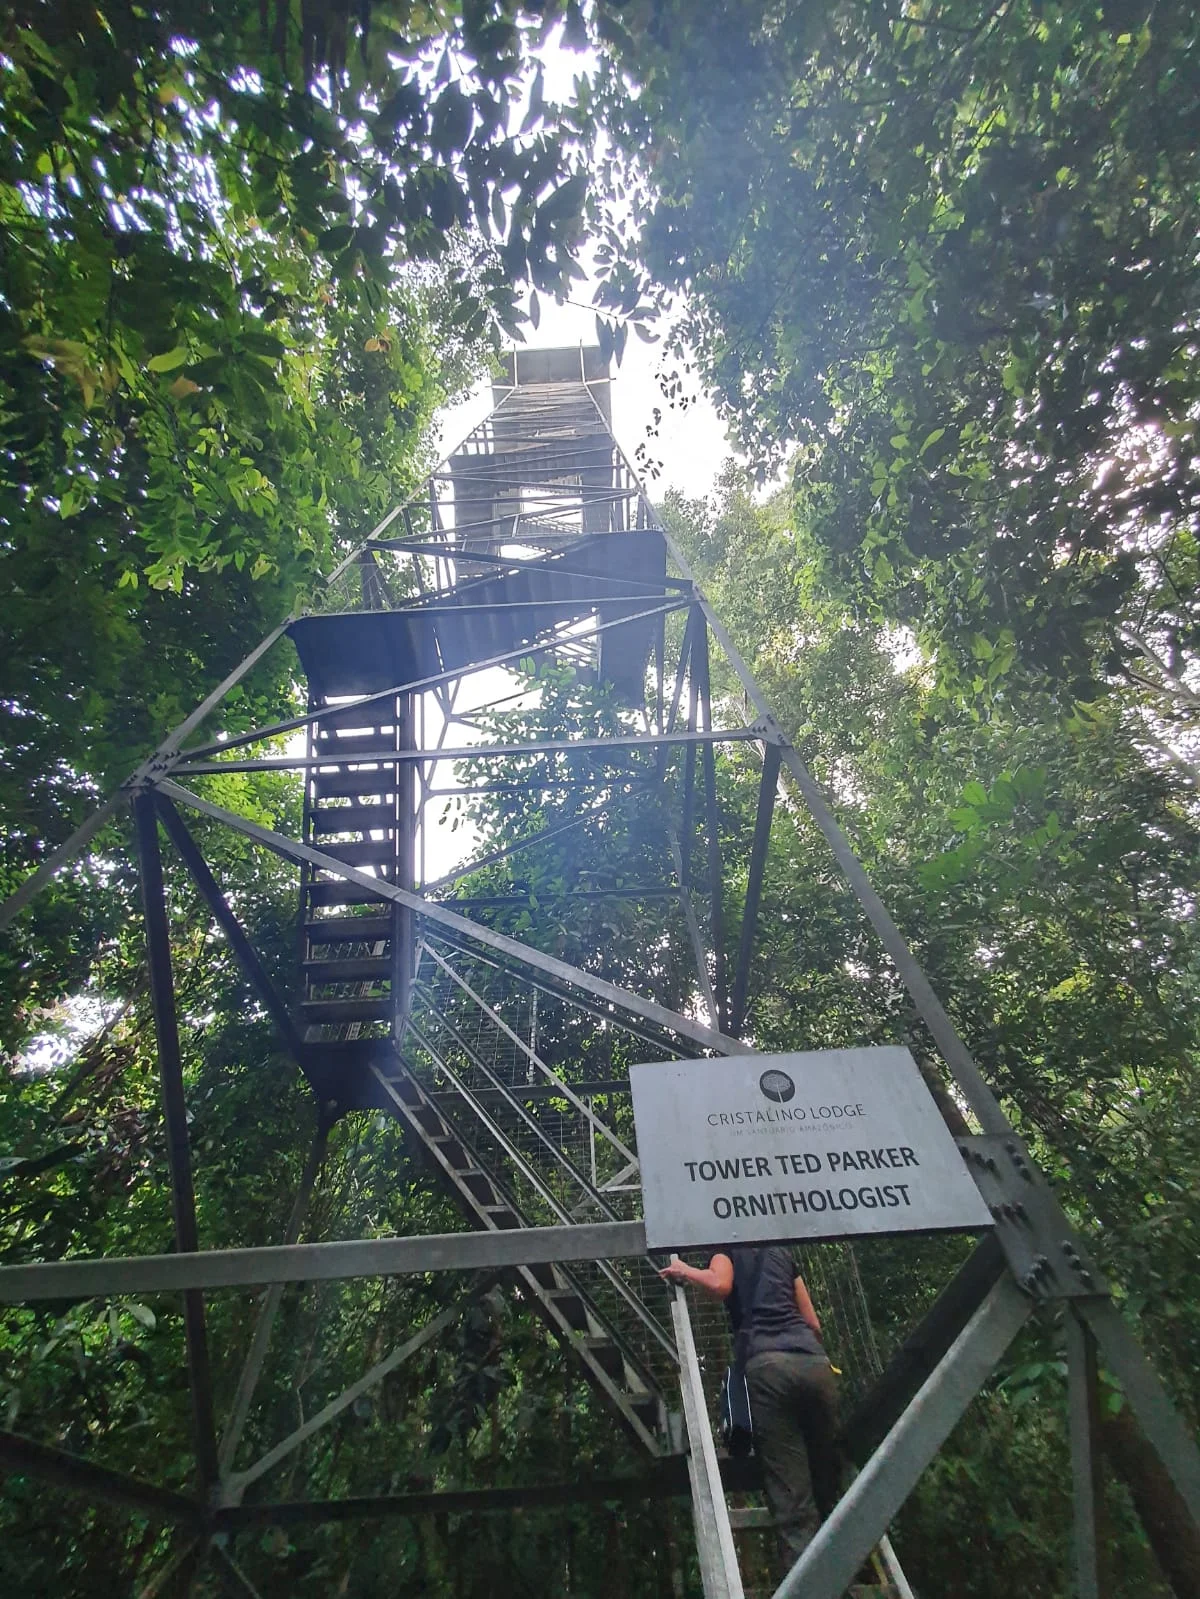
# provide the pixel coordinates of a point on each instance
(402, 942)
(1085, 1463)
(179, 1159)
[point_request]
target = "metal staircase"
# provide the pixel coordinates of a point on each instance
(557, 1294)
(534, 543)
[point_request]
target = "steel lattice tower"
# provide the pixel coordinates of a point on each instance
(533, 549)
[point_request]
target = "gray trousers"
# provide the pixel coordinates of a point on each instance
(793, 1405)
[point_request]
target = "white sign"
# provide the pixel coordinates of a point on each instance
(829, 1144)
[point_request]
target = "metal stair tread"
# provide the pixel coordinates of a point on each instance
(348, 929)
(348, 969)
(352, 818)
(361, 781)
(337, 891)
(346, 1010)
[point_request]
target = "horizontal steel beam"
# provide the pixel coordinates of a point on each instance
(667, 1481)
(437, 603)
(495, 902)
(344, 1258)
(467, 752)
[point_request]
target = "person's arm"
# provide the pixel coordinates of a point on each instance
(805, 1306)
(716, 1279)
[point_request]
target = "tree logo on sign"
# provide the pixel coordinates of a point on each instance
(778, 1086)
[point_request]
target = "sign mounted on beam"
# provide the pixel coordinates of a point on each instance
(830, 1144)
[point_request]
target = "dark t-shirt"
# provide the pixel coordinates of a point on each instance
(762, 1305)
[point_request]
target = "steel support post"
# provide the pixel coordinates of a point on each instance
(715, 908)
(687, 825)
(754, 881)
(714, 1535)
(1083, 1427)
(681, 667)
(692, 923)
(956, 1054)
(179, 1160)
(660, 667)
(864, 1512)
(245, 952)
(1165, 1432)
(260, 1340)
(403, 924)
(680, 847)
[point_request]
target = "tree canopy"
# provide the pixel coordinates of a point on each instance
(943, 258)
(245, 254)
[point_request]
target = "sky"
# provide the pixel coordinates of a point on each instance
(691, 446)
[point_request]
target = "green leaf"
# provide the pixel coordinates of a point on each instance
(168, 361)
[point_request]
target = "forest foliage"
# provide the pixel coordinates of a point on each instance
(938, 263)
(942, 259)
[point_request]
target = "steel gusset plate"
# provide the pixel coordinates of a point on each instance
(1044, 1252)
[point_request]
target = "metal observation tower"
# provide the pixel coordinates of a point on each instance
(490, 1010)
